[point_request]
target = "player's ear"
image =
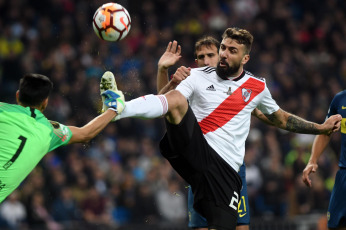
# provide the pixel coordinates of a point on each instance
(196, 61)
(44, 104)
(245, 59)
(17, 97)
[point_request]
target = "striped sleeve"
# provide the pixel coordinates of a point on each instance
(61, 135)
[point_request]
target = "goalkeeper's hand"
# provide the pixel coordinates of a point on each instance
(114, 100)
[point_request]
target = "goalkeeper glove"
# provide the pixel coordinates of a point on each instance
(114, 100)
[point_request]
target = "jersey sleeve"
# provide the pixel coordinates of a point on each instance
(60, 135)
(186, 87)
(333, 107)
(268, 104)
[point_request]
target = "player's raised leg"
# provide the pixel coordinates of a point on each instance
(173, 104)
(115, 98)
(196, 221)
(107, 83)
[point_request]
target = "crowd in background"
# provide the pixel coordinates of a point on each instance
(120, 176)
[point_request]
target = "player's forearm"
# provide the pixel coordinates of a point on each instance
(90, 130)
(293, 123)
(299, 125)
(162, 78)
(319, 145)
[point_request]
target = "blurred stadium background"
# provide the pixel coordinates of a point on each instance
(119, 180)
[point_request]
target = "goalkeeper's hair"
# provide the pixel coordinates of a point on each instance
(207, 41)
(34, 89)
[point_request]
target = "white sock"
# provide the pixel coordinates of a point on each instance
(149, 106)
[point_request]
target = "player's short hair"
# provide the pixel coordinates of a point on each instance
(34, 89)
(207, 41)
(241, 36)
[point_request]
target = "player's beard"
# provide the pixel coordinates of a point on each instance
(225, 72)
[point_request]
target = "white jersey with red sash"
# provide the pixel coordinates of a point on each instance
(223, 109)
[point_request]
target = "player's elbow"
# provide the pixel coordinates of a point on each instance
(81, 136)
(86, 138)
(279, 119)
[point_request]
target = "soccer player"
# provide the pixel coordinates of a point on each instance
(26, 135)
(207, 147)
(337, 204)
(206, 54)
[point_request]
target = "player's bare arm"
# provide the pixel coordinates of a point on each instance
(318, 146)
(181, 74)
(257, 113)
(169, 58)
(293, 123)
(90, 130)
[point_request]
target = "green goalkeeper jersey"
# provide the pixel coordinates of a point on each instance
(26, 135)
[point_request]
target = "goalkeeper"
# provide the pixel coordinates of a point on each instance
(26, 135)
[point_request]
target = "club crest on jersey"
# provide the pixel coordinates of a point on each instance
(246, 93)
(229, 92)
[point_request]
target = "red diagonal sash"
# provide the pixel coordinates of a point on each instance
(231, 106)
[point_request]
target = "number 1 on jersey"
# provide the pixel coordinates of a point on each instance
(15, 156)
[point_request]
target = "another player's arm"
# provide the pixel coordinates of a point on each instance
(90, 130)
(319, 145)
(169, 58)
(181, 74)
(162, 78)
(168, 87)
(293, 123)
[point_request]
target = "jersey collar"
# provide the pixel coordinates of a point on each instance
(238, 77)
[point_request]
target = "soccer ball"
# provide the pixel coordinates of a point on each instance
(111, 22)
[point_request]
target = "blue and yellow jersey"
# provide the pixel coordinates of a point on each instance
(338, 106)
(26, 135)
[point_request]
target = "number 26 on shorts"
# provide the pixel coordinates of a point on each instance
(235, 199)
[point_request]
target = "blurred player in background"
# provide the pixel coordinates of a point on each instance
(207, 147)
(337, 206)
(206, 54)
(26, 135)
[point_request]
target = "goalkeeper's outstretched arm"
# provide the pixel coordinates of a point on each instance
(90, 130)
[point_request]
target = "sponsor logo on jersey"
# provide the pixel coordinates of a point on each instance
(343, 107)
(229, 91)
(211, 88)
(246, 93)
